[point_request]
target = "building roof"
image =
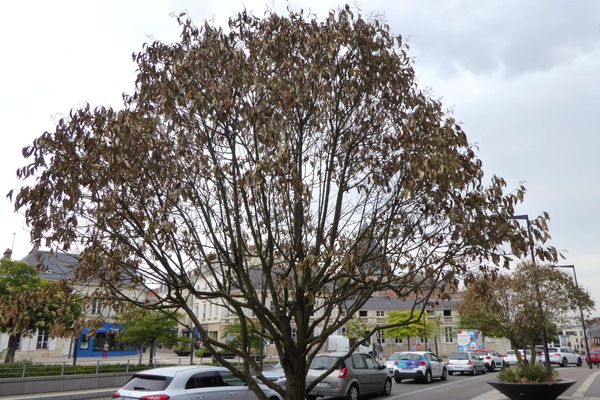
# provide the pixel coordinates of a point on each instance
(53, 266)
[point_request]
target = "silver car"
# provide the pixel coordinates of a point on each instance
(358, 375)
(189, 382)
(465, 362)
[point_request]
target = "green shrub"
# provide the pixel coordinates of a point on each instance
(535, 373)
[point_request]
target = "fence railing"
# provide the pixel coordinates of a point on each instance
(23, 369)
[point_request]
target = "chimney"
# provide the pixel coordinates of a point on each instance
(8, 254)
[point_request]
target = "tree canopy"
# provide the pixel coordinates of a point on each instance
(510, 306)
(406, 325)
(148, 328)
(279, 167)
(29, 304)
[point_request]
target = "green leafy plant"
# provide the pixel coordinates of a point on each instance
(531, 373)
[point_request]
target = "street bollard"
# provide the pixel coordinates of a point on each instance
(23, 373)
(97, 367)
(62, 370)
(127, 367)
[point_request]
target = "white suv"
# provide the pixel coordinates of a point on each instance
(564, 356)
(491, 358)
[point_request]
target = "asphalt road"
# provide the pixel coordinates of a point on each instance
(465, 387)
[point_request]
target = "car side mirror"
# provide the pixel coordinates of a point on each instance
(381, 367)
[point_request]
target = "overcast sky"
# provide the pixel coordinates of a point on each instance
(523, 77)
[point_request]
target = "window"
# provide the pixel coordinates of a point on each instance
(42, 340)
(358, 361)
(294, 333)
(231, 380)
(449, 334)
(369, 362)
(343, 313)
(398, 340)
(204, 380)
(362, 313)
(96, 307)
(380, 314)
(204, 312)
(447, 313)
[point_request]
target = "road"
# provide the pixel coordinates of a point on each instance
(459, 387)
(464, 387)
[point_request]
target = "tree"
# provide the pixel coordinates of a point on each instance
(148, 329)
(29, 304)
(355, 329)
(234, 331)
(508, 307)
(406, 325)
(279, 168)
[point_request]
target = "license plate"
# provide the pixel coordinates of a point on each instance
(322, 384)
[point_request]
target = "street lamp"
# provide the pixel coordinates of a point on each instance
(585, 338)
(525, 217)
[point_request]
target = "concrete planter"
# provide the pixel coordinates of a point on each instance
(532, 391)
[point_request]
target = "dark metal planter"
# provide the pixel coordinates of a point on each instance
(532, 391)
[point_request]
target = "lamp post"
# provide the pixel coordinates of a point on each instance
(585, 338)
(525, 217)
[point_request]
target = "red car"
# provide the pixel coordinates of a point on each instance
(593, 357)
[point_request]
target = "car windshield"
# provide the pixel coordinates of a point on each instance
(148, 382)
(459, 356)
(409, 356)
(323, 362)
(510, 353)
(552, 349)
(395, 356)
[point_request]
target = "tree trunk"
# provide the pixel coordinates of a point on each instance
(13, 344)
(152, 347)
(296, 382)
(141, 353)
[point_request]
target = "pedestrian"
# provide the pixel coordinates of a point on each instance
(105, 351)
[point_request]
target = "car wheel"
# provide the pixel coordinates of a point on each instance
(564, 363)
(579, 362)
(398, 380)
(444, 374)
(352, 393)
(493, 367)
(427, 378)
(387, 387)
(311, 397)
(474, 372)
(484, 370)
(450, 373)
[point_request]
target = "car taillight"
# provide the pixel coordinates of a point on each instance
(116, 395)
(396, 363)
(422, 363)
(448, 363)
(469, 362)
(488, 357)
(555, 355)
(155, 397)
(343, 373)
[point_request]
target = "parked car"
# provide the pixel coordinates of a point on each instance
(510, 358)
(392, 362)
(357, 375)
(491, 358)
(563, 356)
(421, 365)
(275, 374)
(593, 358)
(465, 362)
(187, 382)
